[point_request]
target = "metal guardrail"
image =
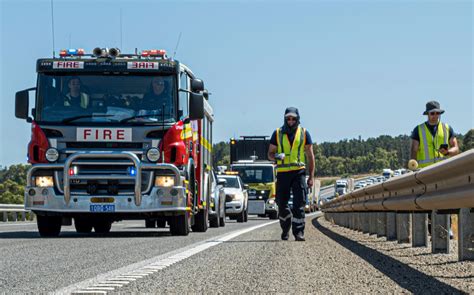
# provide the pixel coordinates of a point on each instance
(13, 210)
(389, 208)
(445, 185)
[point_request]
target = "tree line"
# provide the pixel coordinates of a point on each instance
(355, 156)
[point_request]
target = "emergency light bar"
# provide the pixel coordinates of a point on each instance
(154, 53)
(71, 52)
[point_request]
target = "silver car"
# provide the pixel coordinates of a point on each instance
(236, 197)
(217, 206)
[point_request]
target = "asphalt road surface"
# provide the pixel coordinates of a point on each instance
(241, 257)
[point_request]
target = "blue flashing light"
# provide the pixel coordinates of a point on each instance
(132, 171)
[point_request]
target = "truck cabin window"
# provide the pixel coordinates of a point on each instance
(106, 99)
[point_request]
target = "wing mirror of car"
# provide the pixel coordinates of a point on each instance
(246, 186)
(221, 181)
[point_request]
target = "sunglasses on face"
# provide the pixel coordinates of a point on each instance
(434, 113)
(291, 119)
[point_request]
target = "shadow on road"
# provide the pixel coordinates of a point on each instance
(404, 275)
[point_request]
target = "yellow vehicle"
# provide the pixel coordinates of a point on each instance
(260, 176)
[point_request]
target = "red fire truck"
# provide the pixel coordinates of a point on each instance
(117, 136)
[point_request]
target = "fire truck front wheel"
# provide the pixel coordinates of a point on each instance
(179, 225)
(49, 226)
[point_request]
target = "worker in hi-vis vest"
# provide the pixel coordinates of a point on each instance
(433, 141)
(75, 97)
(290, 147)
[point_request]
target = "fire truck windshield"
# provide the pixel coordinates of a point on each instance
(255, 174)
(107, 99)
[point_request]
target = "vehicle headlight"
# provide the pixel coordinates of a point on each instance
(52, 155)
(44, 181)
(164, 181)
(238, 197)
(271, 201)
(153, 155)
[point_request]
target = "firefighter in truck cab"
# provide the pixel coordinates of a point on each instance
(117, 136)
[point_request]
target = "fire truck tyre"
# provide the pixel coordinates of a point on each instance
(215, 221)
(150, 223)
(161, 223)
(201, 221)
(49, 226)
(179, 225)
(82, 225)
(102, 226)
(273, 215)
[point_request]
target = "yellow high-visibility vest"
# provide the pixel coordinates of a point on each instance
(84, 100)
(294, 153)
(429, 145)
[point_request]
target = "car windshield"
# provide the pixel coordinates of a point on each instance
(231, 182)
(100, 98)
(255, 174)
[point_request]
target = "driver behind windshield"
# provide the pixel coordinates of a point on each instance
(75, 97)
(157, 95)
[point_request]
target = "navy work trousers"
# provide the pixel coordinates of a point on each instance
(287, 182)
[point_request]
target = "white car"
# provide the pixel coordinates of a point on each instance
(236, 198)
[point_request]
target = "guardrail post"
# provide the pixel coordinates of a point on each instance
(373, 223)
(466, 234)
(359, 221)
(420, 230)
(15, 216)
(354, 221)
(365, 222)
(440, 225)
(5, 216)
(391, 226)
(403, 227)
(381, 224)
(23, 216)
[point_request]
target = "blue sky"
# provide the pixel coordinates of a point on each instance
(352, 67)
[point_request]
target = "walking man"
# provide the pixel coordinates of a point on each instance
(290, 145)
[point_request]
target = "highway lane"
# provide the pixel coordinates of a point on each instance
(30, 263)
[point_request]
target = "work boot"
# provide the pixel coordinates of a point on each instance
(299, 237)
(285, 236)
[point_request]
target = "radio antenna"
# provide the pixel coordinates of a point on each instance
(121, 32)
(52, 26)
(177, 44)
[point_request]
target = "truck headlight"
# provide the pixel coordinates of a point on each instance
(164, 181)
(153, 155)
(52, 155)
(44, 181)
(238, 197)
(271, 201)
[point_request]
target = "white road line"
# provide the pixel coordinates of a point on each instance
(16, 224)
(150, 266)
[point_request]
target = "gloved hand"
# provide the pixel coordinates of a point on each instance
(280, 156)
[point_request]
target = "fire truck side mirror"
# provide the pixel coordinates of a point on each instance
(197, 85)
(21, 104)
(196, 106)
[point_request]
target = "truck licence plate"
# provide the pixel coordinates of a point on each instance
(256, 207)
(102, 208)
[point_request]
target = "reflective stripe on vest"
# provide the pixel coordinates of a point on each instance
(84, 103)
(428, 151)
(294, 153)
